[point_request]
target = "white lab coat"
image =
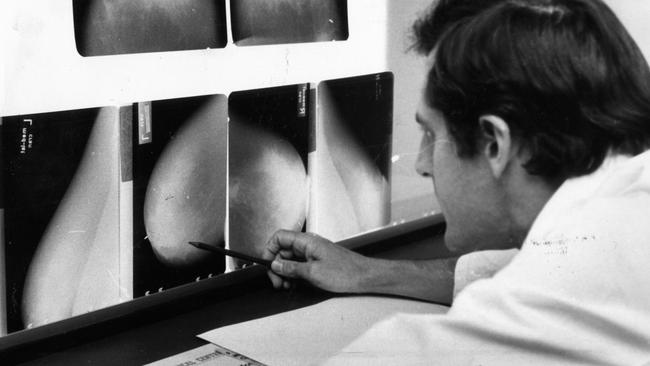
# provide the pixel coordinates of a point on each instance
(577, 293)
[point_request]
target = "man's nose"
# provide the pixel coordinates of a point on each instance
(424, 162)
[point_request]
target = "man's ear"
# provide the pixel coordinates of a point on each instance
(498, 147)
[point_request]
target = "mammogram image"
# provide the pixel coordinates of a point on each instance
(263, 22)
(61, 220)
(179, 190)
(268, 150)
(112, 27)
(351, 173)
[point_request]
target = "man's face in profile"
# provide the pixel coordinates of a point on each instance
(464, 186)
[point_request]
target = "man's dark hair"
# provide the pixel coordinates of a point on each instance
(564, 74)
(441, 15)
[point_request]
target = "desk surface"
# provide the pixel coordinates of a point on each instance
(153, 333)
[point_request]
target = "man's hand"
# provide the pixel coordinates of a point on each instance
(333, 268)
(314, 259)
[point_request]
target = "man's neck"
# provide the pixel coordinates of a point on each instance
(526, 197)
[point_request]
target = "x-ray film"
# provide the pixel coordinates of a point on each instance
(263, 22)
(60, 184)
(111, 27)
(351, 169)
(179, 190)
(268, 149)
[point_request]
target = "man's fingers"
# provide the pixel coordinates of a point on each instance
(276, 280)
(290, 269)
(293, 255)
(279, 282)
(297, 242)
(286, 254)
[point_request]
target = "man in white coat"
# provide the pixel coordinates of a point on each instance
(536, 126)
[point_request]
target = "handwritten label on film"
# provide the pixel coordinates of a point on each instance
(144, 123)
(302, 99)
(26, 136)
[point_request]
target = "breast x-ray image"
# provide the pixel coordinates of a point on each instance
(226, 171)
(263, 22)
(179, 190)
(60, 188)
(268, 150)
(351, 170)
(111, 27)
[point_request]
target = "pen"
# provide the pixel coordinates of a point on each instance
(231, 253)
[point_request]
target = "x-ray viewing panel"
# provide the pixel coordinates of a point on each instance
(268, 149)
(351, 170)
(179, 190)
(111, 27)
(263, 22)
(60, 183)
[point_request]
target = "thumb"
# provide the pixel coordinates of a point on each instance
(290, 269)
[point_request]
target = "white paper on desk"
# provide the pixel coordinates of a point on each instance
(208, 355)
(315, 333)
